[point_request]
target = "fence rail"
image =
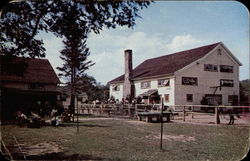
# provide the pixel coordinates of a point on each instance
(132, 110)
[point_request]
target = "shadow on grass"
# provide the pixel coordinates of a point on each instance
(59, 156)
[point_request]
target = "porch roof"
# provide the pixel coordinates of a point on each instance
(149, 93)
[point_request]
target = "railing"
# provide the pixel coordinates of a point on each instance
(132, 110)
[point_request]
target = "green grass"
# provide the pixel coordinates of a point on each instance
(120, 140)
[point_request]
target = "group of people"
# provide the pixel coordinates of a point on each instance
(36, 117)
(33, 120)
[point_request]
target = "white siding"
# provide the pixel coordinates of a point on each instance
(207, 79)
(161, 90)
(117, 94)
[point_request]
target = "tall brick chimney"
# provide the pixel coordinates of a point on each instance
(128, 87)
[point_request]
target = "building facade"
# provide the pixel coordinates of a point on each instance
(208, 73)
(27, 84)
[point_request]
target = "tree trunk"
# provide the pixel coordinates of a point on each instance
(72, 99)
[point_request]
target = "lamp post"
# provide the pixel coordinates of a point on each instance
(77, 113)
(162, 105)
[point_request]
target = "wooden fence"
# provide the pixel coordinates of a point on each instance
(131, 110)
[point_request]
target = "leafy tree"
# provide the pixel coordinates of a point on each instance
(94, 90)
(21, 22)
(245, 91)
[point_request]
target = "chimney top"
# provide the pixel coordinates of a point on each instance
(128, 50)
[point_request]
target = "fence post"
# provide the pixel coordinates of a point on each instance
(101, 109)
(217, 121)
(135, 109)
(114, 108)
(129, 112)
(192, 112)
(184, 113)
(88, 108)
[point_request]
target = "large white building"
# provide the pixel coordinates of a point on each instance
(182, 78)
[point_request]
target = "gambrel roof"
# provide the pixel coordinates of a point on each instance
(35, 70)
(168, 64)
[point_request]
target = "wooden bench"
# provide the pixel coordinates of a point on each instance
(150, 115)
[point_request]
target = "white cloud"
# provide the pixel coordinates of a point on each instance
(107, 50)
(53, 46)
(182, 42)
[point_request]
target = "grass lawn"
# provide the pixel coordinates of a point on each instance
(118, 140)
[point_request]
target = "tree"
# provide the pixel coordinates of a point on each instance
(75, 63)
(75, 52)
(72, 20)
(94, 90)
(245, 92)
(22, 21)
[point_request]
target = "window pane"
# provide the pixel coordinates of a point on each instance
(163, 82)
(116, 88)
(226, 83)
(189, 97)
(226, 68)
(189, 81)
(145, 84)
(210, 67)
(166, 96)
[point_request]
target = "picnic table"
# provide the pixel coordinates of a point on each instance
(154, 114)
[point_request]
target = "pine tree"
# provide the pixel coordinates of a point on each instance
(75, 53)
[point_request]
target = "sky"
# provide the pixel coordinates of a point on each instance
(164, 28)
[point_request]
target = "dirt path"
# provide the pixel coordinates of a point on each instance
(45, 148)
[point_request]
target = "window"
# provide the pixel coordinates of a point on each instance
(163, 82)
(36, 86)
(189, 97)
(189, 81)
(116, 88)
(219, 51)
(63, 99)
(145, 84)
(226, 83)
(226, 68)
(166, 97)
(210, 67)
